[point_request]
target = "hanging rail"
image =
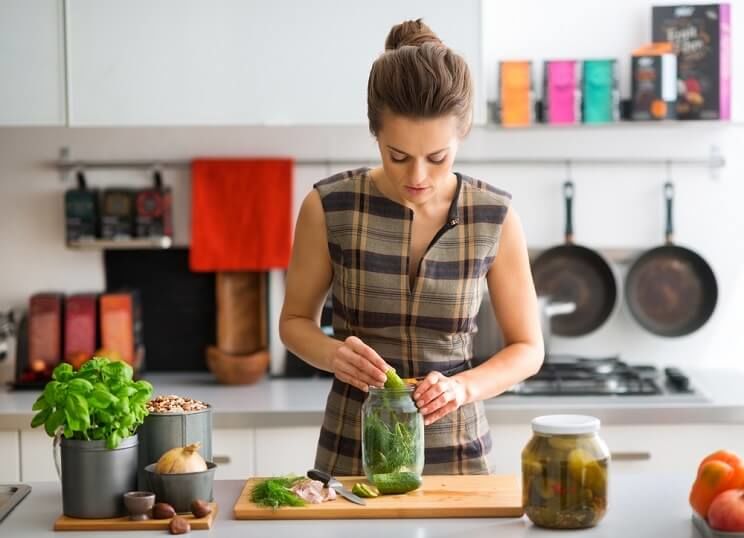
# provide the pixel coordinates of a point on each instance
(713, 162)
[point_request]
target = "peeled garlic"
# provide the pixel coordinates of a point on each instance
(181, 460)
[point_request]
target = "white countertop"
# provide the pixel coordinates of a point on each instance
(639, 506)
(300, 402)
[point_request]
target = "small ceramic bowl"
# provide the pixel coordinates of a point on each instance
(139, 504)
(180, 490)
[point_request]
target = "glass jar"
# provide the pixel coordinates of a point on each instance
(392, 440)
(564, 472)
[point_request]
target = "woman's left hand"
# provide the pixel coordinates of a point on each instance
(438, 395)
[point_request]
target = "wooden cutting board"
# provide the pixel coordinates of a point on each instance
(65, 523)
(439, 496)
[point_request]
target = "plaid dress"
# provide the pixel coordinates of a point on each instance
(416, 331)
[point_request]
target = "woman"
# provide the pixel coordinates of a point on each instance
(407, 248)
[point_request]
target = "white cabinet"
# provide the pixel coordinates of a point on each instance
(37, 461)
(281, 451)
(32, 91)
(10, 468)
(226, 62)
(233, 451)
(677, 448)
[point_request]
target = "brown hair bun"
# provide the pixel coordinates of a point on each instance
(413, 33)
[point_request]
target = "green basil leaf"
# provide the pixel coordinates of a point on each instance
(123, 405)
(52, 392)
(128, 421)
(80, 385)
(55, 420)
(63, 371)
(68, 433)
(104, 417)
(126, 391)
(73, 422)
(101, 399)
(40, 404)
(41, 417)
(118, 370)
(143, 386)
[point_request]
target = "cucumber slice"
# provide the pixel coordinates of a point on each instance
(365, 490)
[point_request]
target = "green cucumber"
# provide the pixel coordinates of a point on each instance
(393, 380)
(365, 490)
(394, 483)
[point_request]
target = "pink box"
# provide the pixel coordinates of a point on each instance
(561, 92)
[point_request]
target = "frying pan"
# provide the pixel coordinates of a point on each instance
(671, 290)
(576, 274)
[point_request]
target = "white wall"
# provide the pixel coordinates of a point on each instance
(615, 207)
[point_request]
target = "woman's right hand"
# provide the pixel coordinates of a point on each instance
(357, 364)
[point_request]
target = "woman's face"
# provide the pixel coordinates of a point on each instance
(417, 155)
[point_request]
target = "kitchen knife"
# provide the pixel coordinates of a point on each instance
(332, 482)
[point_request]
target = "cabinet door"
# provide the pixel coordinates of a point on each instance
(188, 62)
(37, 461)
(281, 451)
(10, 470)
(233, 452)
(31, 63)
(676, 448)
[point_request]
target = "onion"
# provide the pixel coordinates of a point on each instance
(181, 460)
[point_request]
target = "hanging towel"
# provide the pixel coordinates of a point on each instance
(240, 214)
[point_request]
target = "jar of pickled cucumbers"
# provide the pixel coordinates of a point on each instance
(564, 472)
(392, 439)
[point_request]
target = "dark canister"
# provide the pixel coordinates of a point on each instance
(162, 431)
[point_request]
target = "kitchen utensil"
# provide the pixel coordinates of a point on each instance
(65, 523)
(439, 496)
(577, 274)
(81, 211)
(331, 482)
(117, 214)
(153, 210)
(180, 490)
(237, 369)
(138, 504)
(10, 497)
(671, 290)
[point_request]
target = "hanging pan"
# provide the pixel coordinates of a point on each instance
(575, 274)
(671, 290)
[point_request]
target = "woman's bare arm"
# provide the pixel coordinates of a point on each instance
(308, 280)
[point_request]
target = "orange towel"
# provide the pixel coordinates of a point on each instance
(240, 214)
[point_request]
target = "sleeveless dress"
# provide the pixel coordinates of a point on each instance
(415, 330)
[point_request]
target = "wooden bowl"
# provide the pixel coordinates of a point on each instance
(237, 369)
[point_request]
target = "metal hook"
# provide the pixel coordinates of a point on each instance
(569, 175)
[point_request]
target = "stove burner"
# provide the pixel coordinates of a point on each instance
(568, 375)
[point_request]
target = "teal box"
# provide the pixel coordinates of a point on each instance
(601, 98)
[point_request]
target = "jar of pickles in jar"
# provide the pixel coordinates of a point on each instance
(564, 472)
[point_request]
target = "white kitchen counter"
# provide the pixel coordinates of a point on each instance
(649, 505)
(300, 402)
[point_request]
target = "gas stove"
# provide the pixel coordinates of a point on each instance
(567, 375)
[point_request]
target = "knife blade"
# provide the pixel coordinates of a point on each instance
(331, 482)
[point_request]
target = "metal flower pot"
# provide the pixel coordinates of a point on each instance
(95, 477)
(162, 431)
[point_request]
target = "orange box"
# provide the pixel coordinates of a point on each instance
(515, 93)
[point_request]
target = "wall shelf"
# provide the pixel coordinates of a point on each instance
(161, 242)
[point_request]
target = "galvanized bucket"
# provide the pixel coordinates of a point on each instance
(162, 431)
(95, 477)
